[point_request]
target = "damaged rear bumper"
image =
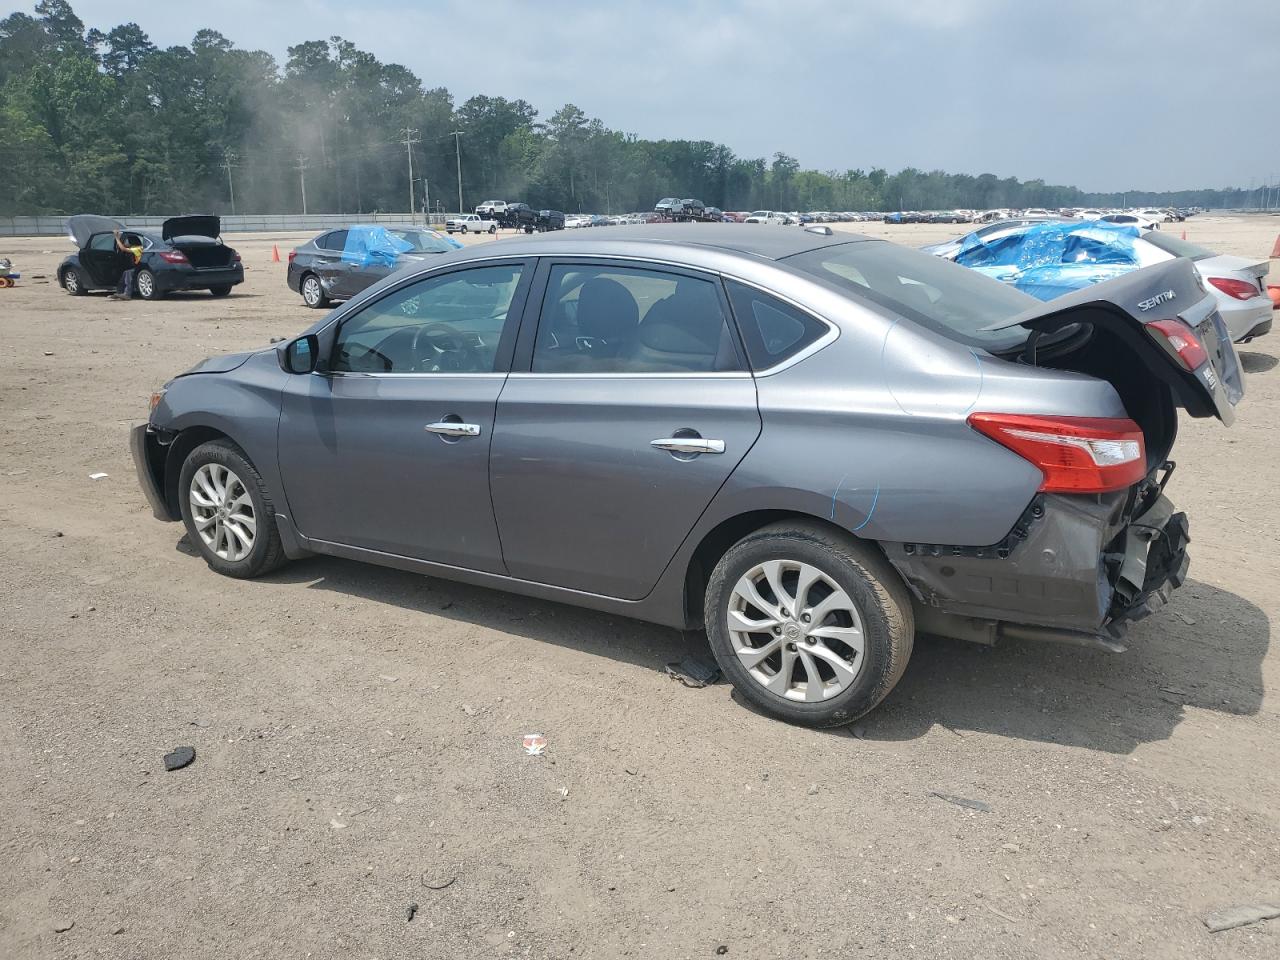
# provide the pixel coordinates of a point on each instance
(1077, 569)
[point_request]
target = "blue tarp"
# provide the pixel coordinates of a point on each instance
(1048, 260)
(378, 245)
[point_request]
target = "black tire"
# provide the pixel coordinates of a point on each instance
(146, 285)
(73, 282)
(312, 291)
(267, 551)
(493, 229)
(883, 603)
(221, 291)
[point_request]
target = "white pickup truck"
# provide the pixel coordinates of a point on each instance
(470, 223)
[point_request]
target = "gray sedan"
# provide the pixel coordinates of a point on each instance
(811, 445)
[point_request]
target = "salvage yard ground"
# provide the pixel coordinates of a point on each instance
(358, 730)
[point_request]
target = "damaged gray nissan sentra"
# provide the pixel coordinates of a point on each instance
(811, 444)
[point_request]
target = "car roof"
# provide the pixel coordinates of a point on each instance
(767, 243)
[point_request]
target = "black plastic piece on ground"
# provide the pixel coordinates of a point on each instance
(179, 758)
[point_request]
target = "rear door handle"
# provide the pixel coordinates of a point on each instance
(688, 445)
(452, 428)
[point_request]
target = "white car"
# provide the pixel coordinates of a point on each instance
(491, 208)
(574, 221)
(1089, 214)
(768, 216)
(1037, 212)
(1131, 220)
(1156, 216)
(470, 223)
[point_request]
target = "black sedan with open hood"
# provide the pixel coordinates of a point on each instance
(186, 254)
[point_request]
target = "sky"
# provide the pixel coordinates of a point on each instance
(1102, 94)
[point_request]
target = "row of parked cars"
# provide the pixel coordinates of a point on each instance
(1148, 218)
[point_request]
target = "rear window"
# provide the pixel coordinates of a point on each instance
(935, 293)
(1179, 248)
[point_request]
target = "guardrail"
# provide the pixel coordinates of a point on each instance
(242, 223)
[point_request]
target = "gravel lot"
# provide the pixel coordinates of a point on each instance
(358, 730)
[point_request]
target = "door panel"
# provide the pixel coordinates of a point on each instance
(389, 448)
(583, 498)
(102, 260)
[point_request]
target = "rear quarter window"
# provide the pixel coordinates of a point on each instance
(772, 331)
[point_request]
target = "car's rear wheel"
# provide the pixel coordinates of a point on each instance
(221, 290)
(808, 623)
(73, 282)
(313, 294)
(493, 229)
(228, 512)
(148, 289)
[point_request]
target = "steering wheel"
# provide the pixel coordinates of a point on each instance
(446, 349)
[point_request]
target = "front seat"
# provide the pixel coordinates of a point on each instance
(607, 318)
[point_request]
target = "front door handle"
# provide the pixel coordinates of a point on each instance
(688, 444)
(453, 428)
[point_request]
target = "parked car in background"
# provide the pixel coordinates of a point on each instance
(186, 254)
(691, 207)
(1130, 220)
(985, 233)
(470, 223)
(768, 216)
(675, 425)
(491, 208)
(599, 220)
(338, 264)
(573, 221)
(667, 205)
(1051, 259)
(549, 220)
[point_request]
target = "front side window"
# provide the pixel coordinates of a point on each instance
(605, 319)
(444, 324)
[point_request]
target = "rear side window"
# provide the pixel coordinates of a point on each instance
(333, 241)
(772, 330)
(606, 319)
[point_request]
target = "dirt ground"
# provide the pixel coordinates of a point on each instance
(358, 730)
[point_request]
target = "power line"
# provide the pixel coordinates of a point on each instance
(457, 147)
(410, 138)
(229, 162)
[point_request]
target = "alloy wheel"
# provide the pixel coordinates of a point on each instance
(222, 512)
(311, 291)
(72, 282)
(796, 631)
(146, 285)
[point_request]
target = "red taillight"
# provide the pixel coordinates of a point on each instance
(173, 256)
(292, 254)
(1236, 288)
(1182, 340)
(1075, 454)
(236, 258)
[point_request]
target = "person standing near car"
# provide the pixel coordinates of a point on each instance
(124, 286)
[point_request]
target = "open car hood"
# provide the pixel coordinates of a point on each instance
(1128, 304)
(82, 226)
(192, 225)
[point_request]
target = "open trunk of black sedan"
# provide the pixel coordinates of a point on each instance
(203, 253)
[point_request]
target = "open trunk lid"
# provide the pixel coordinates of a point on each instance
(1136, 307)
(82, 226)
(192, 225)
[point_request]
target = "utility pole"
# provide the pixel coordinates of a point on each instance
(301, 167)
(228, 162)
(410, 138)
(457, 149)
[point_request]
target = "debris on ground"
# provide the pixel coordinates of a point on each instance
(813, 790)
(721, 950)
(116, 931)
(694, 672)
(410, 912)
(63, 924)
(962, 801)
(1010, 847)
(469, 710)
(535, 744)
(179, 758)
(564, 793)
(98, 476)
(1242, 916)
(437, 883)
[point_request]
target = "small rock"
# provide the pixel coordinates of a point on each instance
(631, 771)
(116, 931)
(469, 710)
(74, 860)
(57, 533)
(48, 353)
(721, 950)
(387, 677)
(336, 825)
(1242, 916)
(179, 758)
(410, 912)
(63, 925)
(813, 792)
(1010, 847)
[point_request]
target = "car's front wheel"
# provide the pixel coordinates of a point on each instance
(228, 512)
(73, 283)
(313, 294)
(148, 289)
(809, 624)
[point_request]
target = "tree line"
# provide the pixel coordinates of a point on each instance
(108, 122)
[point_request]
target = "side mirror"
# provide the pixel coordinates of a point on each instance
(300, 355)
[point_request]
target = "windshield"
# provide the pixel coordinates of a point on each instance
(937, 294)
(422, 241)
(1179, 248)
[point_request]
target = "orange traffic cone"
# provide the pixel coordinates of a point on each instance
(1275, 250)
(275, 253)
(1184, 234)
